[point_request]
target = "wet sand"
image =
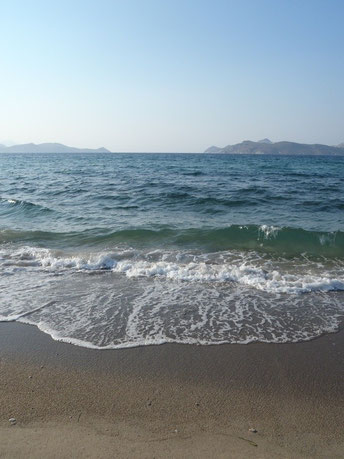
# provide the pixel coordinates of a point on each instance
(170, 400)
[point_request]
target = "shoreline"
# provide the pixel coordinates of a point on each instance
(171, 400)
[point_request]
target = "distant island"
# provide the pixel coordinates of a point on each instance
(48, 148)
(266, 147)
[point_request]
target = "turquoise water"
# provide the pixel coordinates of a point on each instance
(116, 250)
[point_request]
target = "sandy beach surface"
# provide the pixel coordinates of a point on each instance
(177, 401)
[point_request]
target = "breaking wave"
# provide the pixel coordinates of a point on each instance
(11, 205)
(263, 238)
(299, 275)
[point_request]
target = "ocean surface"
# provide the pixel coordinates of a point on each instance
(119, 250)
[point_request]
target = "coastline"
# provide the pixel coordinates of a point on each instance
(171, 400)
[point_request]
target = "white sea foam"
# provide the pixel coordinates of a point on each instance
(139, 298)
(244, 269)
(152, 316)
(244, 274)
(267, 231)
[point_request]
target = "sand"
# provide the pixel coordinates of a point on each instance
(172, 400)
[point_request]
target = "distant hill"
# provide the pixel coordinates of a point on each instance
(266, 147)
(213, 149)
(48, 148)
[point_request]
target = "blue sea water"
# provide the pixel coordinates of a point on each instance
(118, 250)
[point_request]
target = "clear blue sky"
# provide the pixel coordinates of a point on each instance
(172, 75)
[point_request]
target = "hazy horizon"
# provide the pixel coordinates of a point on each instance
(85, 147)
(171, 77)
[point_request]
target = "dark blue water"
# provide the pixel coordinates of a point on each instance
(127, 249)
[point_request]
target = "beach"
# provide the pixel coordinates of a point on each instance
(170, 400)
(171, 306)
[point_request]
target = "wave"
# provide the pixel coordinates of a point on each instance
(250, 270)
(194, 173)
(9, 205)
(209, 201)
(264, 238)
(129, 298)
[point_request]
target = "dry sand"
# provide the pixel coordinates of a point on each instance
(177, 401)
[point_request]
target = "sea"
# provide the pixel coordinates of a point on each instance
(120, 250)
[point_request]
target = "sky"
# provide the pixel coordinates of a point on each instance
(171, 75)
